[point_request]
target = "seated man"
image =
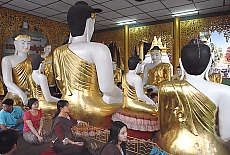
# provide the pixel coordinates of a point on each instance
(157, 71)
(16, 69)
(8, 141)
(188, 108)
(11, 116)
(83, 69)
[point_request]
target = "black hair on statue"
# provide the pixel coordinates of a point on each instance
(77, 16)
(133, 61)
(195, 57)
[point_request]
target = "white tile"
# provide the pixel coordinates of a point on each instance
(24, 4)
(46, 11)
(129, 11)
(14, 7)
(72, 2)
(98, 18)
(59, 6)
(209, 4)
(106, 22)
(140, 16)
(174, 3)
(117, 4)
(164, 17)
(151, 6)
(62, 16)
(182, 8)
(110, 15)
(121, 19)
(146, 20)
(104, 9)
(37, 14)
(141, 3)
(160, 13)
(42, 2)
(3, 1)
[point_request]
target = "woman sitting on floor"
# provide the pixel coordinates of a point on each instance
(117, 138)
(63, 141)
(33, 124)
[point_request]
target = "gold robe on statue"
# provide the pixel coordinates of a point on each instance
(187, 121)
(22, 77)
(48, 70)
(132, 103)
(160, 73)
(215, 77)
(77, 80)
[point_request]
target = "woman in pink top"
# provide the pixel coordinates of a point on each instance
(33, 124)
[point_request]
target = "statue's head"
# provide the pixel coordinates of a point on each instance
(22, 43)
(77, 17)
(155, 54)
(133, 63)
(195, 57)
(47, 48)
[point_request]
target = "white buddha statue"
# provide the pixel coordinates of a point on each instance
(41, 79)
(84, 70)
(194, 114)
(14, 78)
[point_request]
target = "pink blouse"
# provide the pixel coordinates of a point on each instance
(34, 119)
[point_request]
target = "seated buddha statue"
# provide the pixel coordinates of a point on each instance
(48, 69)
(16, 68)
(117, 73)
(40, 79)
(136, 105)
(84, 71)
(193, 113)
(156, 72)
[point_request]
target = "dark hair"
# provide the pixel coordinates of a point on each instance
(114, 132)
(178, 67)
(60, 104)
(153, 95)
(7, 140)
(31, 101)
(195, 57)
(149, 90)
(77, 16)
(119, 83)
(133, 61)
(8, 102)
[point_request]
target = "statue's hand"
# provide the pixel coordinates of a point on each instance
(24, 98)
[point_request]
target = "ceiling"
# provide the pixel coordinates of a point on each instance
(117, 10)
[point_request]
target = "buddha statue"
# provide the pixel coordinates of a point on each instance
(117, 73)
(136, 105)
(156, 72)
(48, 69)
(193, 113)
(40, 79)
(84, 71)
(16, 68)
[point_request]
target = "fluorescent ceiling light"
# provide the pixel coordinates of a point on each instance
(183, 13)
(126, 22)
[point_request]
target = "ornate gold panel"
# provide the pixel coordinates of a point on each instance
(116, 36)
(12, 20)
(210, 24)
(147, 33)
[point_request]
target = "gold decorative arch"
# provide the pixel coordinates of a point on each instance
(147, 33)
(209, 25)
(12, 20)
